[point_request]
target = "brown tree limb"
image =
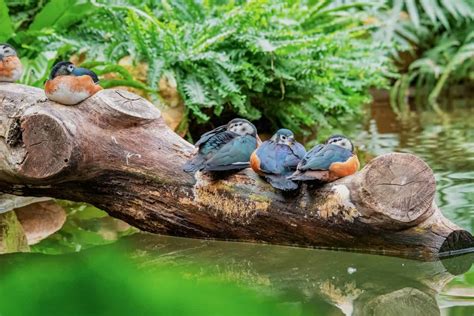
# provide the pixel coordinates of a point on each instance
(115, 151)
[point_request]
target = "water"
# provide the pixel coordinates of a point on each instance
(445, 143)
(152, 274)
(174, 276)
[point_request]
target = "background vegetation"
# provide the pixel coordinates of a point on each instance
(297, 64)
(302, 64)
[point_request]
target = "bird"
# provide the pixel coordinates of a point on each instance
(328, 162)
(277, 158)
(11, 68)
(70, 85)
(227, 147)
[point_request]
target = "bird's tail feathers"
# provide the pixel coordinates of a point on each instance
(281, 183)
(193, 165)
(299, 176)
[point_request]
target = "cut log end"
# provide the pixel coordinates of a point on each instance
(399, 186)
(48, 146)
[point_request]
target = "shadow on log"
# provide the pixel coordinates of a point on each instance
(115, 151)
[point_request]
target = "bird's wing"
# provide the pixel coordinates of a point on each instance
(208, 148)
(313, 151)
(266, 152)
(234, 153)
(85, 72)
(216, 141)
(294, 157)
(322, 158)
(206, 136)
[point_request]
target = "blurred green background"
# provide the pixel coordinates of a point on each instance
(393, 75)
(301, 64)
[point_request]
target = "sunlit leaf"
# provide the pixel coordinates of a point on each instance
(6, 27)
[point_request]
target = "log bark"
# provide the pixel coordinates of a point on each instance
(115, 151)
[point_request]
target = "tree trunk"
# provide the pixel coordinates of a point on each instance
(114, 151)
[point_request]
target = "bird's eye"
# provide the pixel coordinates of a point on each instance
(70, 68)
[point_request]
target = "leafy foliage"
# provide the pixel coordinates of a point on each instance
(436, 34)
(6, 27)
(294, 63)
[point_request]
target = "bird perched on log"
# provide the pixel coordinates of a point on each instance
(277, 158)
(329, 161)
(10, 65)
(71, 85)
(227, 147)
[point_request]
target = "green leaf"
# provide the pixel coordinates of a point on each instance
(6, 26)
(61, 14)
(428, 6)
(195, 90)
(413, 12)
(440, 15)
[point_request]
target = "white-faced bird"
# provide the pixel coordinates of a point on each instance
(70, 85)
(277, 158)
(10, 65)
(329, 161)
(226, 147)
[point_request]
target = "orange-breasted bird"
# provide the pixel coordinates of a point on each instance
(227, 147)
(329, 161)
(71, 85)
(10, 65)
(277, 158)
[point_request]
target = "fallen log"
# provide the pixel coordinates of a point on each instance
(115, 151)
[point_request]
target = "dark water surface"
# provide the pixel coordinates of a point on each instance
(147, 274)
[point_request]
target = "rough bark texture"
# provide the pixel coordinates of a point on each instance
(114, 151)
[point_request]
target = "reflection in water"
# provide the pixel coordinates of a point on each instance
(313, 280)
(302, 281)
(445, 143)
